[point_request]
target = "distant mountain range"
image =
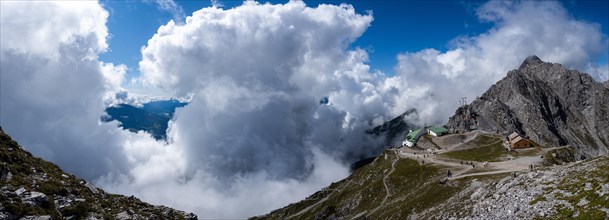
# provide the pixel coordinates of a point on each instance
(152, 117)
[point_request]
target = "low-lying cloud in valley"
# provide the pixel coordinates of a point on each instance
(254, 136)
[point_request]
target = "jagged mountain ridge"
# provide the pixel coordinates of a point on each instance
(395, 129)
(550, 104)
(31, 188)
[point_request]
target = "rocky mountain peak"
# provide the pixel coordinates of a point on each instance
(530, 60)
(552, 105)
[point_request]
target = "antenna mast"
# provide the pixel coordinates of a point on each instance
(463, 101)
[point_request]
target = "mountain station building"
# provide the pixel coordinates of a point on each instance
(516, 141)
(413, 137)
(437, 131)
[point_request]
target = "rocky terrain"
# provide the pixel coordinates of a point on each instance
(551, 105)
(576, 190)
(31, 188)
(579, 189)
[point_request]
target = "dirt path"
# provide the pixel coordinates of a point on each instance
(315, 204)
(458, 169)
(447, 142)
(484, 173)
(308, 208)
(397, 157)
(430, 158)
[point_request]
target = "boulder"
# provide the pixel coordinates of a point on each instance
(35, 199)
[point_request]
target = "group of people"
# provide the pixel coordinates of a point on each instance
(426, 155)
(469, 163)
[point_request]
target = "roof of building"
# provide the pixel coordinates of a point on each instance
(513, 135)
(518, 139)
(438, 130)
(413, 135)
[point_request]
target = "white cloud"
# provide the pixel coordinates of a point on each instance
(114, 75)
(172, 7)
(158, 182)
(79, 25)
(255, 126)
(217, 3)
(52, 84)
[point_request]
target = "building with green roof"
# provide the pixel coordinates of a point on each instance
(437, 131)
(412, 137)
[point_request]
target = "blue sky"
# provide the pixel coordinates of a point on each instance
(398, 26)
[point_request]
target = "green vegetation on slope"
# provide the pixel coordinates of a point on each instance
(64, 194)
(412, 188)
(399, 188)
(491, 149)
(582, 192)
(559, 156)
(416, 188)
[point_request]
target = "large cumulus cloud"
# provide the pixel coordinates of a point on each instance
(52, 85)
(257, 72)
(254, 127)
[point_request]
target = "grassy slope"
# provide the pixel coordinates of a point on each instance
(413, 188)
(490, 149)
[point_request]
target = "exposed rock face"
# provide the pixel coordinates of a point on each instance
(551, 105)
(559, 192)
(31, 188)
